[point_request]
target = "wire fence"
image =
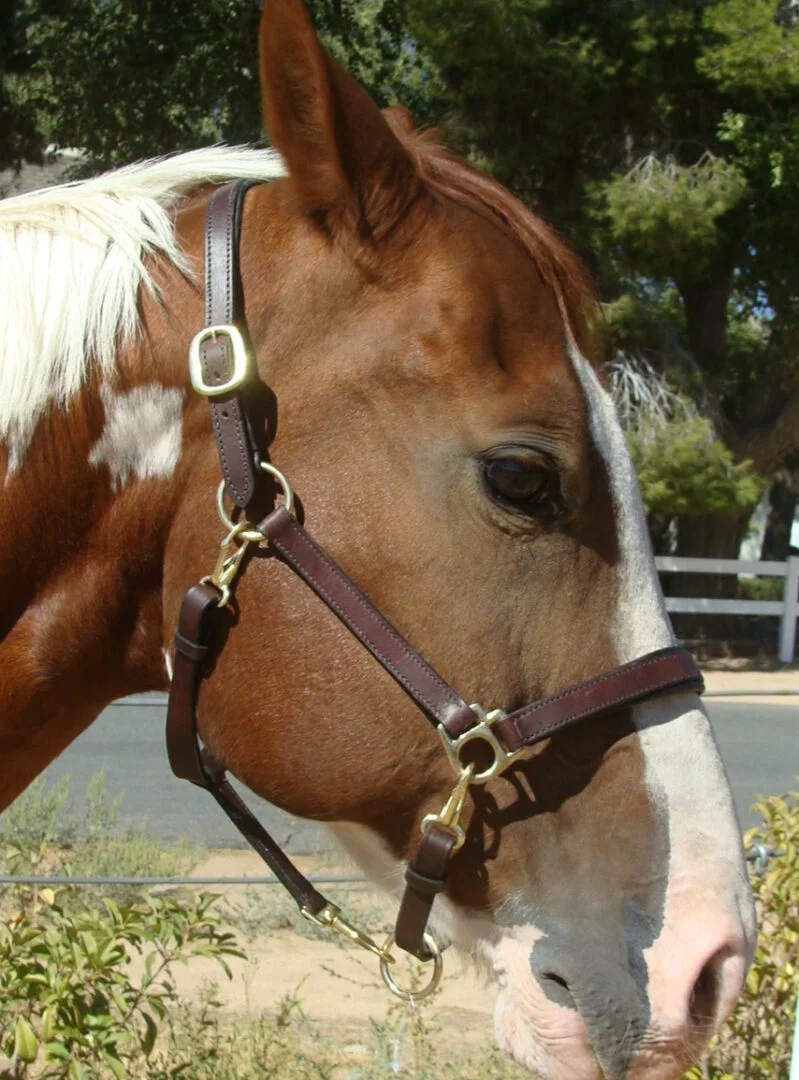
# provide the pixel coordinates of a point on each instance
(59, 880)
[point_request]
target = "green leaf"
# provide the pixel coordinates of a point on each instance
(150, 1034)
(116, 1066)
(26, 1046)
(49, 1018)
(55, 1049)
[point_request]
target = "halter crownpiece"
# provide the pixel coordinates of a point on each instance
(222, 370)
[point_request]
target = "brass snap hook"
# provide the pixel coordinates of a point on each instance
(450, 813)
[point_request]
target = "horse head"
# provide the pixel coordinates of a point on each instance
(423, 341)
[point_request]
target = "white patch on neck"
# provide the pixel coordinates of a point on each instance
(142, 436)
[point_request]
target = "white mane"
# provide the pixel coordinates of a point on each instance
(71, 267)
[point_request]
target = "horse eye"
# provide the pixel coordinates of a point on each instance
(524, 482)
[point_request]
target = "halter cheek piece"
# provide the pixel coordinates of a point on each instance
(221, 370)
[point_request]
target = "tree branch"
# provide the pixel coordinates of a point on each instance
(769, 446)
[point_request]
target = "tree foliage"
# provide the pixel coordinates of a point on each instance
(684, 469)
(20, 137)
(124, 80)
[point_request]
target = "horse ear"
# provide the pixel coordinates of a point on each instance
(347, 166)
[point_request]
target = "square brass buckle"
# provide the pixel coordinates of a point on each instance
(482, 731)
(241, 360)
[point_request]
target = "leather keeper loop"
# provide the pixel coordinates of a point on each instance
(190, 649)
(423, 884)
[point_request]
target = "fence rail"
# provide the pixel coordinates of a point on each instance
(787, 609)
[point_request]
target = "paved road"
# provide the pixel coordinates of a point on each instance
(759, 743)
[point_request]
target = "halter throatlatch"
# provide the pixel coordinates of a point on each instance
(221, 369)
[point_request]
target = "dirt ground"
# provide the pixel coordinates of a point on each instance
(774, 687)
(338, 985)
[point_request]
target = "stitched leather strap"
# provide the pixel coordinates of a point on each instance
(437, 700)
(200, 618)
(656, 673)
(235, 440)
(197, 624)
(425, 878)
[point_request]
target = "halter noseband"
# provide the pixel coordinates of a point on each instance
(221, 369)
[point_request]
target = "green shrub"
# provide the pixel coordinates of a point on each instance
(756, 1043)
(761, 588)
(72, 1006)
(684, 469)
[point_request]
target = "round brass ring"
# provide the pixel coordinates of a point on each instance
(435, 977)
(285, 486)
(491, 770)
(250, 534)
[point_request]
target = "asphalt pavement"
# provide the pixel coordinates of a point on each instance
(759, 743)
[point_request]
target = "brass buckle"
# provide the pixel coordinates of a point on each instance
(330, 918)
(241, 360)
(483, 732)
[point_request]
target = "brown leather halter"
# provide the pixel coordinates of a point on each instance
(221, 369)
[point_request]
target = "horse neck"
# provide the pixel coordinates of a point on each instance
(84, 518)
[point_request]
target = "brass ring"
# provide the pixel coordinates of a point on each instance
(285, 486)
(435, 978)
(249, 533)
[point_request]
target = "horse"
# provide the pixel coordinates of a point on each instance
(423, 343)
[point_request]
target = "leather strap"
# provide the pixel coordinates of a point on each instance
(235, 439)
(197, 624)
(200, 618)
(425, 878)
(656, 673)
(437, 700)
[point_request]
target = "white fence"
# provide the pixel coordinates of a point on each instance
(787, 609)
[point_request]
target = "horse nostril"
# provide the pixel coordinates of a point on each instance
(703, 1003)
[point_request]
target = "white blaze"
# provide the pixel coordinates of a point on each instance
(684, 770)
(685, 777)
(640, 620)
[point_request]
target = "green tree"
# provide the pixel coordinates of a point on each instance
(127, 79)
(20, 138)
